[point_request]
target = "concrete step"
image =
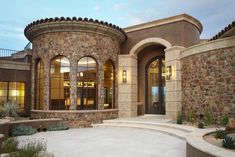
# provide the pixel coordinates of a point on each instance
(168, 125)
(168, 128)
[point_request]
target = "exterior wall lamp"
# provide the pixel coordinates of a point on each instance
(168, 72)
(124, 73)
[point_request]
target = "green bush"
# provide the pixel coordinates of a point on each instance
(57, 127)
(220, 133)
(224, 120)
(229, 142)
(23, 130)
(31, 149)
(201, 125)
(191, 117)
(179, 118)
(9, 145)
(9, 109)
(208, 118)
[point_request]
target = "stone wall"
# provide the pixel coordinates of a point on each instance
(208, 80)
(77, 119)
(74, 46)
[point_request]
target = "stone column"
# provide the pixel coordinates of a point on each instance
(33, 84)
(127, 92)
(173, 86)
(100, 86)
(73, 83)
(46, 83)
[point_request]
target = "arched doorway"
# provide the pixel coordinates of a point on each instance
(151, 80)
(87, 82)
(155, 86)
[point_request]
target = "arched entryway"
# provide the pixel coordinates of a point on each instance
(151, 80)
(155, 86)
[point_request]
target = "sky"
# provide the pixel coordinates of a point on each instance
(15, 15)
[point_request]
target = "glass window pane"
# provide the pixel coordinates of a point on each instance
(3, 85)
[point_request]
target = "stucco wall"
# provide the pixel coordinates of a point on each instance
(177, 33)
(208, 80)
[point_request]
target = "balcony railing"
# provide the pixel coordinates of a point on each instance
(13, 55)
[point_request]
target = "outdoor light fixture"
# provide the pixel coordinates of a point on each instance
(168, 72)
(124, 76)
(81, 74)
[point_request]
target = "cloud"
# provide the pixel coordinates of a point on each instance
(118, 6)
(97, 8)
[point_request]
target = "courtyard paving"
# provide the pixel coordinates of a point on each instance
(110, 142)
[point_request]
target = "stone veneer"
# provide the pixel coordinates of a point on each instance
(74, 39)
(75, 119)
(208, 81)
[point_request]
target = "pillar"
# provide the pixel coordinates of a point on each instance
(100, 74)
(73, 84)
(46, 83)
(173, 86)
(127, 92)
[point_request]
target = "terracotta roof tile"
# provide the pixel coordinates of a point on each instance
(223, 31)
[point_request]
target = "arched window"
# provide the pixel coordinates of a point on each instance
(86, 77)
(60, 83)
(39, 86)
(109, 86)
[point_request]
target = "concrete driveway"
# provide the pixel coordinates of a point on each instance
(110, 142)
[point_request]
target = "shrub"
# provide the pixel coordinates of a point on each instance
(220, 133)
(23, 130)
(201, 125)
(9, 109)
(229, 142)
(57, 127)
(191, 117)
(208, 118)
(224, 120)
(31, 149)
(179, 118)
(9, 145)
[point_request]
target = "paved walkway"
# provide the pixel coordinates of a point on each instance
(110, 142)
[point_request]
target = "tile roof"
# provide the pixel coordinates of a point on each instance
(223, 31)
(75, 19)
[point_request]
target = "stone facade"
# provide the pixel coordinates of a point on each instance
(75, 119)
(208, 82)
(74, 41)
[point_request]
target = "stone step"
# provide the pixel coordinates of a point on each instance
(180, 133)
(183, 128)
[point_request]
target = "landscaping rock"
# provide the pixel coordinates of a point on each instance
(231, 126)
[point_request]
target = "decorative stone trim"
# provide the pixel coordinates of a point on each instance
(45, 26)
(146, 42)
(197, 146)
(181, 17)
(208, 46)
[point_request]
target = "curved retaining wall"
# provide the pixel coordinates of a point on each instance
(75, 118)
(196, 146)
(208, 78)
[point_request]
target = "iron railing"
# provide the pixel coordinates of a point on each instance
(6, 54)
(13, 55)
(28, 46)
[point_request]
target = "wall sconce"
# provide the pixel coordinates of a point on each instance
(81, 74)
(124, 76)
(168, 72)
